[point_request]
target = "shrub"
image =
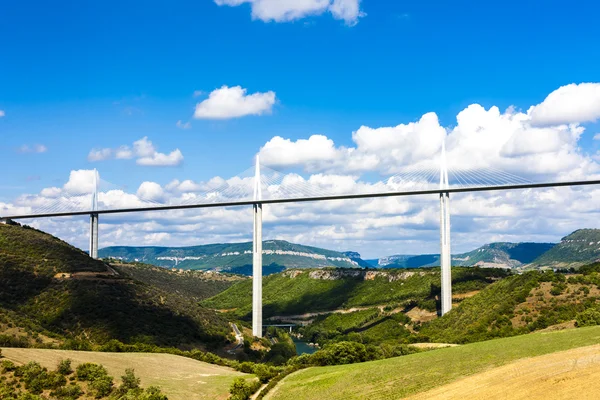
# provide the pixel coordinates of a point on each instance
(153, 393)
(7, 366)
(102, 386)
(64, 367)
(90, 372)
(130, 381)
(242, 389)
(589, 317)
(71, 392)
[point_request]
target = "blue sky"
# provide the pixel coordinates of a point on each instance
(81, 75)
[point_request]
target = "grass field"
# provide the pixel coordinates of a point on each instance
(180, 378)
(404, 376)
(569, 374)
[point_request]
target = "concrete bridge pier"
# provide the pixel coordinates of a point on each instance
(94, 219)
(445, 253)
(257, 318)
(94, 236)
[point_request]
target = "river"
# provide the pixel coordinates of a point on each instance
(303, 347)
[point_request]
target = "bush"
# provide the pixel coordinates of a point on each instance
(90, 372)
(242, 389)
(102, 386)
(64, 367)
(71, 392)
(153, 393)
(7, 366)
(100, 382)
(130, 381)
(589, 317)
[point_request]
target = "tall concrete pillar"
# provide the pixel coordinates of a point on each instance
(257, 321)
(445, 252)
(94, 235)
(94, 219)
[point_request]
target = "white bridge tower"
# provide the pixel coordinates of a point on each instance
(257, 319)
(94, 219)
(445, 255)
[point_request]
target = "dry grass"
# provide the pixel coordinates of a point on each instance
(401, 377)
(571, 374)
(179, 377)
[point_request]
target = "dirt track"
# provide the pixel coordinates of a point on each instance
(572, 374)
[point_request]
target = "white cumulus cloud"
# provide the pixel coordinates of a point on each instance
(568, 105)
(2, 113)
(290, 10)
(233, 102)
(143, 150)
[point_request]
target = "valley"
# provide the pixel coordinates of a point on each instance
(55, 299)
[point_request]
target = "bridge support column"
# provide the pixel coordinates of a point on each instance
(94, 219)
(445, 253)
(257, 320)
(94, 236)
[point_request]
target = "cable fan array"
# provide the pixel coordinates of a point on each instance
(275, 185)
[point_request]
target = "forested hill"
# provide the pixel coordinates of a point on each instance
(579, 248)
(38, 253)
(234, 257)
(51, 292)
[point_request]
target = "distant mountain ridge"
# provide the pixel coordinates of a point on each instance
(500, 254)
(574, 250)
(236, 257)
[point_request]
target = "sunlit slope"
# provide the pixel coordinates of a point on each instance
(404, 376)
(569, 374)
(179, 378)
(301, 291)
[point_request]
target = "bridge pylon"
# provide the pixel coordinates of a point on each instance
(445, 254)
(257, 319)
(94, 219)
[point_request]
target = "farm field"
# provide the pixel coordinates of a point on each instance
(417, 373)
(180, 378)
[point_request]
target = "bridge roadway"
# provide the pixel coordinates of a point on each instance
(309, 199)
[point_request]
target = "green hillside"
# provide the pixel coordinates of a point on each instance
(40, 254)
(516, 305)
(400, 377)
(232, 257)
(194, 285)
(51, 293)
(304, 291)
(579, 248)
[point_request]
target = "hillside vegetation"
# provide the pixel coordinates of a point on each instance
(579, 248)
(234, 257)
(52, 293)
(517, 305)
(306, 291)
(194, 285)
(32, 381)
(179, 378)
(399, 377)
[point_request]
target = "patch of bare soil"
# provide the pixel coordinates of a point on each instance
(433, 345)
(417, 314)
(571, 374)
(465, 295)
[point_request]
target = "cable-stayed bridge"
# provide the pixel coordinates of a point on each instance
(261, 185)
